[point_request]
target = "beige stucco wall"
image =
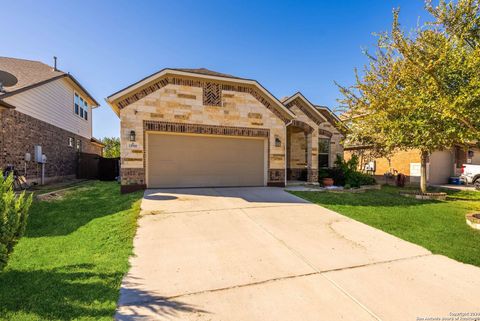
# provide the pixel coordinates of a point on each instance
(184, 104)
(476, 156)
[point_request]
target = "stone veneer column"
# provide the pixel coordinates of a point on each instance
(312, 158)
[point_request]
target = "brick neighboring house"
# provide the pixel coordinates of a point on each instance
(196, 128)
(46, 107)
(442, 164)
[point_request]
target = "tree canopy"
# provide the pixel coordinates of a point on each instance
(112, 147)
(421, 89)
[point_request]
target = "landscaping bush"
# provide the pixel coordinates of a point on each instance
(357, 179)
(346, 173)
(13, 217)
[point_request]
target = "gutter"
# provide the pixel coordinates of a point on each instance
(6, 105)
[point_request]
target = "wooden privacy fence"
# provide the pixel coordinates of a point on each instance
(92, 166)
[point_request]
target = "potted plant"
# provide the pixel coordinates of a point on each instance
(327, 181)
(325, 178)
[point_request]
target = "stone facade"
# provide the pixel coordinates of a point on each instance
(327, 130)
(304, 145)
(297, 154)
(179, 102)
(19, 133)
(302, 140)
(240, 114)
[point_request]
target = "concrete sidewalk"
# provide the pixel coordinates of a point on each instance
(264, 254)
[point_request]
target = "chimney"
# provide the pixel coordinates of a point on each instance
(55, 63)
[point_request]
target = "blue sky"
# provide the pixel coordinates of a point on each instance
(287, 46)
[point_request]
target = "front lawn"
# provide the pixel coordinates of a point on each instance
(70, 263)
(436, 225)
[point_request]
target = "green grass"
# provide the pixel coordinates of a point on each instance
(436, 225)
(70, 263)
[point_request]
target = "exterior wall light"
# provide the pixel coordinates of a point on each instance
(278, 142)
(132, 135)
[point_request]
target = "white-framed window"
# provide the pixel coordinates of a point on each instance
(79, 145)
(80, 106)
(70, 141)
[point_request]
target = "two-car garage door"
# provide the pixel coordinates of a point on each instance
(180, 160)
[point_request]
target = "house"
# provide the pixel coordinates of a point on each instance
(43, 106)
(442, 164)
(197, 128)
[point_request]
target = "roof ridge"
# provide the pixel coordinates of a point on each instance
(35, 61)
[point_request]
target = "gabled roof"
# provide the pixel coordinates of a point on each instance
(97, 142)
(314, 112)
(332, 118)
(202, 73)
(31, 74)
(205, 71)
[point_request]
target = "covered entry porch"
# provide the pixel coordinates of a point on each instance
(302, 153)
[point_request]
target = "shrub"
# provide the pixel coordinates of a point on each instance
(346, 173)
(357, 179)
(13, 217)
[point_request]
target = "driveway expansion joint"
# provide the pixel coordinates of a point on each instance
(220, 209)
(317, 272)
(359, 279)
(312, 266)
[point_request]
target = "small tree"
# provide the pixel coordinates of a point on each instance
(421, 90)
(13, 217)
(112, 147)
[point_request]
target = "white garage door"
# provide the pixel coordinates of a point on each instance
(201, 161)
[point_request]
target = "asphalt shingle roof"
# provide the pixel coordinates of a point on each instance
(28, 72)
(205, 71)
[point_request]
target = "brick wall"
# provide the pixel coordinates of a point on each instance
(399, 161)
(19, 133)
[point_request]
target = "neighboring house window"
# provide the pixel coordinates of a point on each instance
(80, 106)
(79, 145)
(323, 152)
(77, 104)
(70, 141)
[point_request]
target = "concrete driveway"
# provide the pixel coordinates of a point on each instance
(263, 254)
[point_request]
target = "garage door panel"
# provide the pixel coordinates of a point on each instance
(199, 161)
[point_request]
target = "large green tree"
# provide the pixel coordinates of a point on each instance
(420, 90)
(112, 147)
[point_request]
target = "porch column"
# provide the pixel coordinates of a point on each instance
(312, 157)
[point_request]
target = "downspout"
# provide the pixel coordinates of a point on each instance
(286, 140)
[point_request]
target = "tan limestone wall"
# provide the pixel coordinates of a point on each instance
(336, 147)
(314, 135)
(184, 104)
(298, 146)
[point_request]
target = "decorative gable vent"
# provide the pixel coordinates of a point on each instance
(212, 94)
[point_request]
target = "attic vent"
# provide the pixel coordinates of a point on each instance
(212, 94)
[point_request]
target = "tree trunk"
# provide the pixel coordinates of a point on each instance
(423, 171)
